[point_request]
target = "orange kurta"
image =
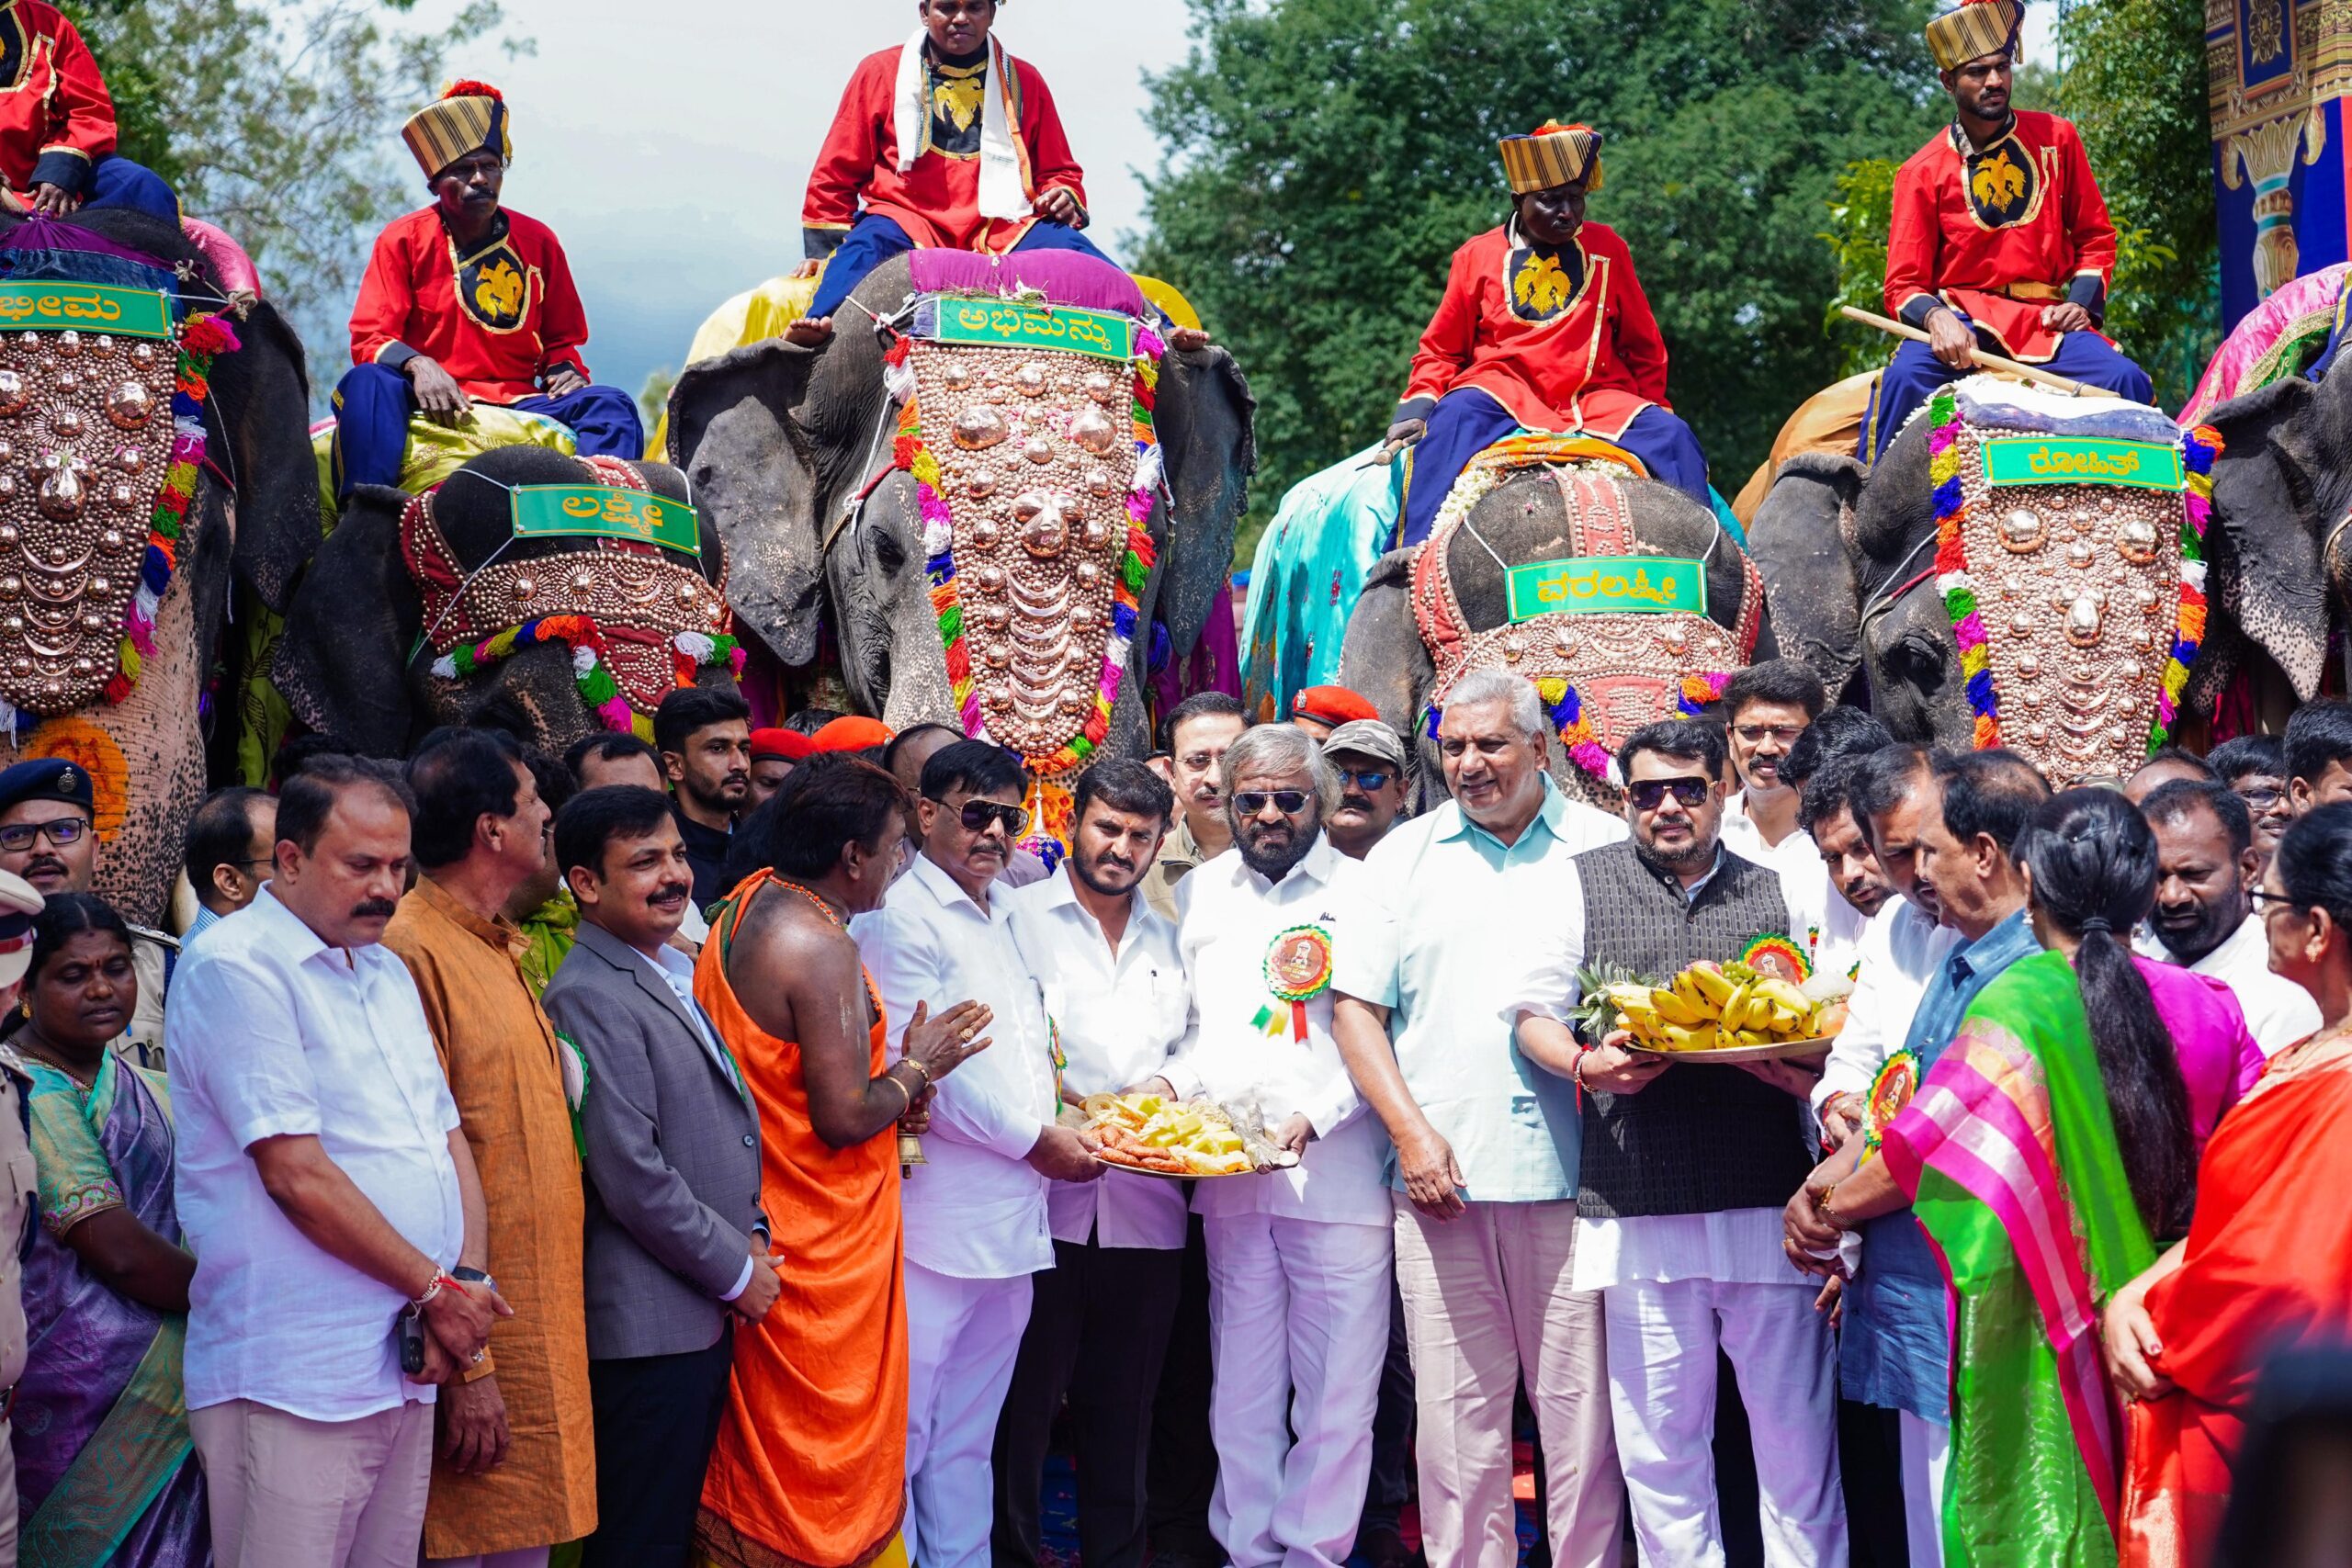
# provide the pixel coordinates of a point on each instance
(810, 1464)
(2268, 1264)
(501, 1057)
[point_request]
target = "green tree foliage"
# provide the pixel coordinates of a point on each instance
(1859, 218)
(2135, 82)
(1323, 158)
(279, 121)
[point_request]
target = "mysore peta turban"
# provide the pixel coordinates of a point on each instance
(1973, 29)
(1553, 155)
(469, 116)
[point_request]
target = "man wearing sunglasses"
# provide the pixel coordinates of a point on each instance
(977, 1223)
(1683, 1176)
(1297, 1258)
(1483, 1191)
(1370, 760)
(49, 837)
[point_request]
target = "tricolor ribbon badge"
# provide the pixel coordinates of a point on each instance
(1298, 970)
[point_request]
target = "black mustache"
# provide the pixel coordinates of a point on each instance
(376, 909)
(45, 862)
(672, 890)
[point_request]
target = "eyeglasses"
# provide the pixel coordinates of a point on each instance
(2261, 798)
(1650, 793)
(2265, 900)
(977, 815)
(1757, 733)
(1368, 779)
(65, 831)
(1289, 802)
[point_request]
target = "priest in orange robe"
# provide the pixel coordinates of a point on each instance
(2000, 238)
(1544, 326)
(945, 141)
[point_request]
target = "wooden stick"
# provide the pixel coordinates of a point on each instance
(1989, 361)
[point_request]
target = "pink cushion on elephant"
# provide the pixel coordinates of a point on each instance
(1066, 278)
(228, 257)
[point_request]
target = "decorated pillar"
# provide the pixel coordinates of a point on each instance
(2280, 73)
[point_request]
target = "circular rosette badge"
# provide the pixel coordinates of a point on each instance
(1890, 1091)
(1298, 970)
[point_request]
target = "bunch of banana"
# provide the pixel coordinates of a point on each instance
(1711, 1007)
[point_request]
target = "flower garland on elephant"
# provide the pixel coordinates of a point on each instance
(591, 670)
(1958, 587)
(1049, 795)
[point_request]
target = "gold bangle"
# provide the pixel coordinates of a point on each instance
(910, 1062)
(900, 1085)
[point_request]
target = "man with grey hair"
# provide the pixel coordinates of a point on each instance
(1483, 1200)
(1299, 1257)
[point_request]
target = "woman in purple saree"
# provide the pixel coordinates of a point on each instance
(106, 1473)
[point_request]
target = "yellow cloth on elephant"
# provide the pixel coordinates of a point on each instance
(753, 316)
(436, 451)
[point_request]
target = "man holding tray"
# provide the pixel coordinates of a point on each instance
(1684, 1173)
(1298, 1258)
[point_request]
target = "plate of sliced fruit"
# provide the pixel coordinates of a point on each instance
(1721, 1013)
(1178, 1140)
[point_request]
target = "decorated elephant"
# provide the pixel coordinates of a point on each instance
(2019, 569)
(990, 501)
(152, 463)
(1622, 598)
(540, 594)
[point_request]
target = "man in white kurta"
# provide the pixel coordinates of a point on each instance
(976, 1216)
(1099, 1323)
(1485, 1183)
(2203, 916)
(1298, 1258)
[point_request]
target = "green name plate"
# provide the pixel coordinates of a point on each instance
(85, 307)
(2076, 460)
(604, 512)
(1001, 324)
(1594, 583)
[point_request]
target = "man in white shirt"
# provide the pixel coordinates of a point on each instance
(1891, 795)
(1857, 888)
(326, 1193)
(1766, 708)
(2203, 917)
(1485, 1189)
(1298, 1258)
(1099, 1318)
(976, 1218)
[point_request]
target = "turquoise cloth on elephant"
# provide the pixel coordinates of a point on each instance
(1304, 579)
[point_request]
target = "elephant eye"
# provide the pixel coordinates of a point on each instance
(1918, 660)
(890, 549)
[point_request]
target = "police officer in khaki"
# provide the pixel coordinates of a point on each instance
(49, 837)
(18, 904)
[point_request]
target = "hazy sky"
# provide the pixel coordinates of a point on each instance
(671, 159)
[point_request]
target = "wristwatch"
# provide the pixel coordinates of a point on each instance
(472, 1277)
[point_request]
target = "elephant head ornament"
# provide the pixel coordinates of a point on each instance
(548, 596)
(1678, 610)
(993, 529)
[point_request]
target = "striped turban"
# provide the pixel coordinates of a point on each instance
(1552, 154)
(1976, 29)
(469, 116)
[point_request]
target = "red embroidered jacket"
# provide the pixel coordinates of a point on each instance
(937, 202)
(498, 320)
(56, 118)
(2001, 234)
(1564, 342)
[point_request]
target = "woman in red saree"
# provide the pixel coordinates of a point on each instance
(2269, 1261)
(808, 1469)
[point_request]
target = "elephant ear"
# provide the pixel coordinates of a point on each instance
(1204, 420)
(343, 663)
(1798, 541)
(2263, 544)
(262, 398)
(738, 431)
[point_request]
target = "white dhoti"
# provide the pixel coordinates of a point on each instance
(962, 1338)
(1926, 1457)
(1662, 1340)
(1298, 1326)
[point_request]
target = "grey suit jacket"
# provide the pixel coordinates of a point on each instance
(674, 1156)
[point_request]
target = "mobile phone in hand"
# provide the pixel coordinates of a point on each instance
(410, 1331)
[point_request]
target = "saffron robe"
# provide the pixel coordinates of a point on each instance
(498, 319)
(1564, 341)
(2000, 234)
(937, 202)
(56, 116)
